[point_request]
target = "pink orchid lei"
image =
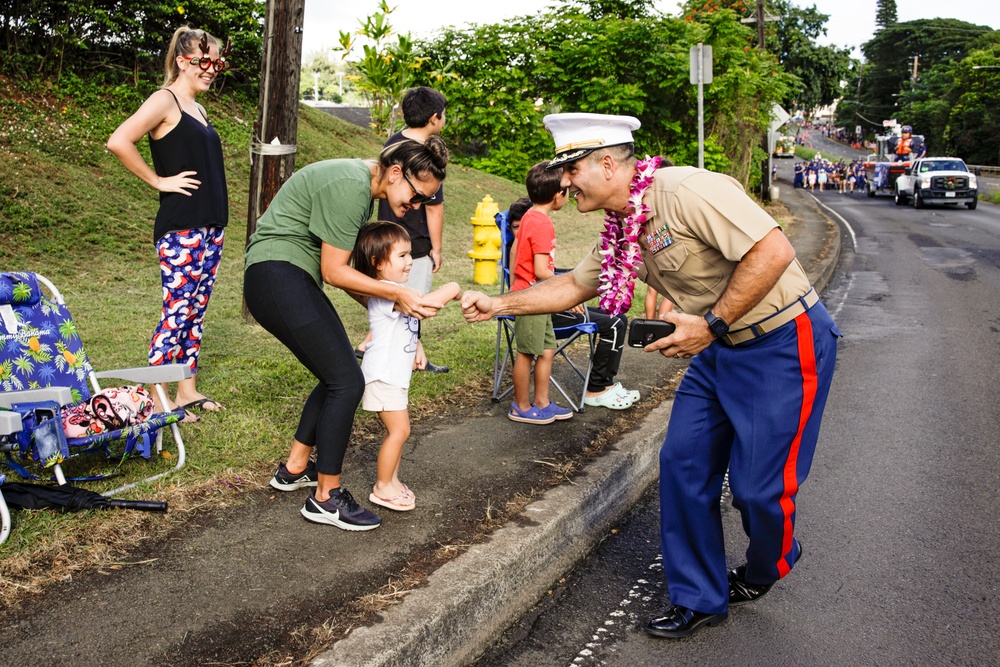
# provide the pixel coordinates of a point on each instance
(620, 243)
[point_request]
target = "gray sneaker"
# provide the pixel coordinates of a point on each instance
(341, 510)
(286, 481)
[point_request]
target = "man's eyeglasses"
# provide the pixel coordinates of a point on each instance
(204, 63)
(418, 197)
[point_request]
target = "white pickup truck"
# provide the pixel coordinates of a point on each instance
(937, 180)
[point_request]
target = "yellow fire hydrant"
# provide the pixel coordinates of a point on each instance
(485, 242)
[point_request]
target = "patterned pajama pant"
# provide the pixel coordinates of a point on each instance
(188, 262)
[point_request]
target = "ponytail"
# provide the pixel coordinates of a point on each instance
(416, 158)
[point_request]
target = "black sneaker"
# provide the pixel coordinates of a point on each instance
(341, 510)
(286, 481)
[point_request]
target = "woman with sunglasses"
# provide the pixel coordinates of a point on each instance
(303, 240)
(189, 173)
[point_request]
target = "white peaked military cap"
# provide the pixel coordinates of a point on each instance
(577, 135)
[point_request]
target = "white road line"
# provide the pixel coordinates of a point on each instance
(617, 617)
(854, 238)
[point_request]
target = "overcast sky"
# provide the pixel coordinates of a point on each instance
(851, 22)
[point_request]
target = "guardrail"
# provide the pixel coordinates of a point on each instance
(984, 169)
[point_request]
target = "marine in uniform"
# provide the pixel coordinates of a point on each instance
(762, 349)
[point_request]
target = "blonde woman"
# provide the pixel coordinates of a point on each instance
(189, 173)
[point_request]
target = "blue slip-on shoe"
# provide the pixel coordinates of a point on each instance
(530, 416)
(556, 411)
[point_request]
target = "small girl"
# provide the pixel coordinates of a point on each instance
(382, 251)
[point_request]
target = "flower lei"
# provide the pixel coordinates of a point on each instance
(620, 243)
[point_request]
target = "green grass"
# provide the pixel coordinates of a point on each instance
(70, 211)
(805, 153)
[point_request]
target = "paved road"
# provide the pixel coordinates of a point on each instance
(898, 517)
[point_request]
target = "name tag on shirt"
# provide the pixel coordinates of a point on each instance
(659, 239)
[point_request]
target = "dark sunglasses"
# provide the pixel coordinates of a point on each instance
(204, 63)
(418, 197)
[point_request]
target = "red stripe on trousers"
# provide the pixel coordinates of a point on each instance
(807, 362)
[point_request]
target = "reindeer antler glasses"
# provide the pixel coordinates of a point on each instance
(205, 61)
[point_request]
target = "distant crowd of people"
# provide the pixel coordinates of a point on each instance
(822, 174)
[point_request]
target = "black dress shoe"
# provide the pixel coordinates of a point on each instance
(681, 621)
(742, 592)
(434, 368)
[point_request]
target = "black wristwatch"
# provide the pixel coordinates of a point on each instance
(716, 324)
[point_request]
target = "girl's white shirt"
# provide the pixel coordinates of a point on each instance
(389, 356)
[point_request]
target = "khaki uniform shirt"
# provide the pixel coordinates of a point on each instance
(700, 225)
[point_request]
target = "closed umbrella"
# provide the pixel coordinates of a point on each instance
(66, 498)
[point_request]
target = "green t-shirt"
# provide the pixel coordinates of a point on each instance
(325, 201)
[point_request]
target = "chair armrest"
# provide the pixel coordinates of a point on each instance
(61, 395)
(10, 422)
(149, 374)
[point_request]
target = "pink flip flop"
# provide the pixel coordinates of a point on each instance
(393, 503)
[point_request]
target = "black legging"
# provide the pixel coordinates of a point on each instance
(610, 344)
(287, 302)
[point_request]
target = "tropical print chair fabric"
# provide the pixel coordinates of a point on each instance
(39, 344)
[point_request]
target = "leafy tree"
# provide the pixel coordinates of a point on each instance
(386, 69)
(888, 89)
(493, 120)
(322, 73)
(974, 121)
(622, 9)
(511, 75)
(820, 69)
(885, 13)
(117, 41)
(792, 39)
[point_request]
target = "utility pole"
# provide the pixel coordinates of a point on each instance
(913, 77)
(765, 168)
(272, 149)
(760, 24)
(765, 181)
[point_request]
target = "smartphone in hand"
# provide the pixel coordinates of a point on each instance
(643, 332)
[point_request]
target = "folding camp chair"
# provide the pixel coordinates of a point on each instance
(40, 347)
(566, 336)
(10, 423)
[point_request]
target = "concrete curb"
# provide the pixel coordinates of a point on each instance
(469, 601)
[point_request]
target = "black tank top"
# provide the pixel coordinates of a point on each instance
(190, 146)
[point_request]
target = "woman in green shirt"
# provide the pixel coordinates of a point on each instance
(303, 240)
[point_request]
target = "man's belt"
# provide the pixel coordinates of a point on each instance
(772, 322)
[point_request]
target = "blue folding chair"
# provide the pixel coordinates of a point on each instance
(40, 347)
(504, 354)
(10, 424)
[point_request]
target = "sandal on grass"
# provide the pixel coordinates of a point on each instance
(200, 404)
(190, 418)
(404, 502)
